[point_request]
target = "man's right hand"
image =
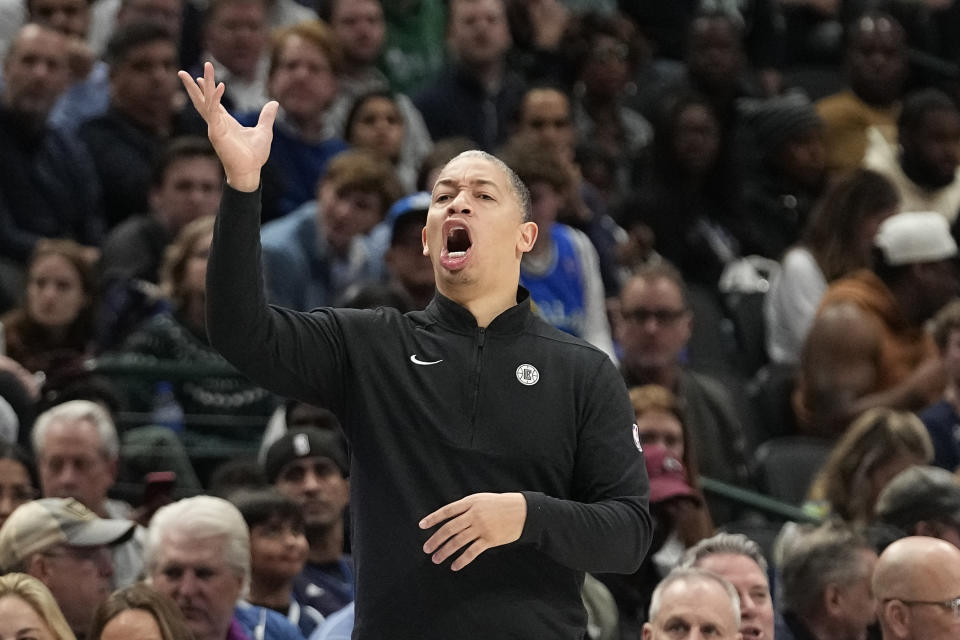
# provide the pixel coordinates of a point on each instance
(242, 150)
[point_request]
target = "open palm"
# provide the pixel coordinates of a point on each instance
(242, 150)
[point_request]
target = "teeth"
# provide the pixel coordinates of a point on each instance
(457, 254)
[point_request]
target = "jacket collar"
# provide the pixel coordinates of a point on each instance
(456, 317)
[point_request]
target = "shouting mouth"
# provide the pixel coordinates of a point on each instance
(456, 244)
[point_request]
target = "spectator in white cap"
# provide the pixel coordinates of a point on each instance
(868, 347)
(67, 547)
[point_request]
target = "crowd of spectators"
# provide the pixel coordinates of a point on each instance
(750, 206)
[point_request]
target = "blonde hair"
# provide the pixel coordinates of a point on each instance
(178, 254)
(874, 439)
(36, 594)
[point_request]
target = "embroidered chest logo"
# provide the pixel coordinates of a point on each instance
(528, 375)
(636, 437)
(423, 363)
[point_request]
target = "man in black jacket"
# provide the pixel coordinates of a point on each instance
(478, 432)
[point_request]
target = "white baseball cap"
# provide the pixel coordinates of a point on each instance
(914, 237)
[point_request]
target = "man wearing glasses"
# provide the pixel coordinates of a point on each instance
(67, 547)
(653, 331)
(916, 583)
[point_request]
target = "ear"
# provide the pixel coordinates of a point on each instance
(38, 567)
(113, 467)
(647, 631)
(423, 240)
(897, 617)
(833, 600)
(528, 236)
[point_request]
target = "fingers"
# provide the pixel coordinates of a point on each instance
(454, 544)
(193, 90)
(468, 556)
(445, 512)
(451, 528)
(268, 114)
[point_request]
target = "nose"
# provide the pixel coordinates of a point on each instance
(187, 584)
(460, 204)
(311, 482)
(748, 608)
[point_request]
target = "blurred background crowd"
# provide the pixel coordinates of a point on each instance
(749, 205)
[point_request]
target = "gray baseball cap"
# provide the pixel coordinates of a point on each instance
(919, 493)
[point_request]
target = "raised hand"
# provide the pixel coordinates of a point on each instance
(242, 150)
(477, 522)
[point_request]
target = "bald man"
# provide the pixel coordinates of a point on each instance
(916, 583)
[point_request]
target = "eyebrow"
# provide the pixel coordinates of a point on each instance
(446, 182)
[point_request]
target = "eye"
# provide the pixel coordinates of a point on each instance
(486, 196)
(442, 197)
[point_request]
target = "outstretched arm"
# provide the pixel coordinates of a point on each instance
(242, 150)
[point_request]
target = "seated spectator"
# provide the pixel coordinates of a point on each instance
(27, 609)
(414, 50)
(476, 94)
(688, 196)
(408, 269)
(142, 117)
(310, 467)
(791, 177)
(693, 601)
(876, 447)
(653, 331)
(545, 121)
(738, 559)
(876, 68)
(78, 451)
(278, 551)
(67, 547)
(915, 587)
(922, 501)
(662, 423)
(236, 35)
(942, 418)
(867, 346)
(49, 188)
(562, 271)
(599, 58)
(361, 33)
(181, 336)
(53, 332)
(186, 184)
(376, 123)
(312, 255)
(18, 479)
(680, 518)
(303, 62)
(826, 592)
(443, 152)
(925, 164)
(837, 241)
(198, 554)
(138, 612)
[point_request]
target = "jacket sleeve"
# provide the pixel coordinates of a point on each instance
(606, 527)
(293, 354)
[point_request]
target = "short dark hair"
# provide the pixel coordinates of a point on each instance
(258, 507)
(180, 148)
(132, 36)
(918, 105)
(361, 100)
(663, 270)
(13, 451)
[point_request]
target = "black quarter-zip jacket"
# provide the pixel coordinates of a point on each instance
(435, 409)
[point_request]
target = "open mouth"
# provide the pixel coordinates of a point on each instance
(754, 633)
(456, 244)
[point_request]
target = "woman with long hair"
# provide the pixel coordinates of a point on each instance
(836, 242)
(140, 612)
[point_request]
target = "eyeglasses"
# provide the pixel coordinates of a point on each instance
(953, 604)
(641, 316)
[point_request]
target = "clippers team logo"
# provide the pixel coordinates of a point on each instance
(636, 437)
(527, 374)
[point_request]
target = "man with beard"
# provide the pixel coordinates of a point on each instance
(925, 170)
(309, 466)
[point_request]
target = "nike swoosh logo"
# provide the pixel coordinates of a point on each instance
(415, 360)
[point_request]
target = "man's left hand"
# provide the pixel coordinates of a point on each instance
(478, 522)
